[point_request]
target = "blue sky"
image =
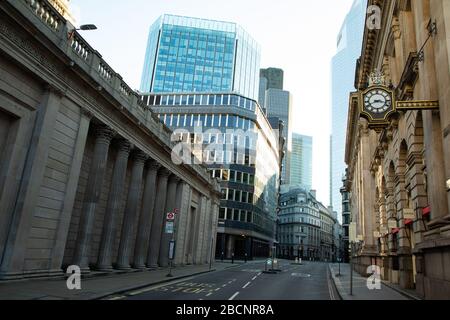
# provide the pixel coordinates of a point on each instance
(298, 36)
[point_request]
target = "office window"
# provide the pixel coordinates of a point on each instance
(222, 213)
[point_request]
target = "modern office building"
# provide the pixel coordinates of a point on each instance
(305, 227)
(343, 74)
(301, 161)
(277, 104)
(220, 121)
(197, 55)
(274, 77)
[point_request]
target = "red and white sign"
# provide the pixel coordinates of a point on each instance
(170, 216)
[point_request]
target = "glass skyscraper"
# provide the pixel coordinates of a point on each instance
(301, 161)
(343, 75)
(201, 78)
(196, 55)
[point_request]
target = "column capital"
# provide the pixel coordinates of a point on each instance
(153, 164)
(124, 145)
(174, 179)
(139, 156)
(104, 134)
(163, 172)
(86, 113)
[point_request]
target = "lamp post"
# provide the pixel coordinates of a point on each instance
(84, 27)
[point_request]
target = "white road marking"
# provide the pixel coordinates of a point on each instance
(134, 293)
(259, 274)
(217, 289)
(234, 296)
(254, 278)
(117, 298)
(248, 283)
(209, 294)
(224, 286)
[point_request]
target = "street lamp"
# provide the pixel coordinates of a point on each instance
(84, 27)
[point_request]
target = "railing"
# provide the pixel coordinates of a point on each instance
(46, 12)
(80, 47)
(105, 71)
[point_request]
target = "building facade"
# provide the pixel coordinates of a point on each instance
(230, 133)
(346, 218)
(305, 227)
(187, 54)
(223, 117)
(343, 74)
(86, 171)
(398, 175)
(301, 161)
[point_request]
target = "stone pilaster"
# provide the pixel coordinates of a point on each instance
(146, 217)
(72, 185)
(113, 206)
(170, 206)
(126, 239)
(21, 215)
(158, 218)
(103, 137)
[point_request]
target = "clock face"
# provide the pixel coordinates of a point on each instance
(377, 101)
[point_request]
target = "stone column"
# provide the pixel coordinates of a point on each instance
(126, 239)
(146, 217)
(113, 207)
(171, 204)
(103, 137)
(158, 216)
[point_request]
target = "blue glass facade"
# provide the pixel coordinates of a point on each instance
(197, 55)
(343, 75)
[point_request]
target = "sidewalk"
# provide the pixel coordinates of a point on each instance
(97, 287)
(360, 290)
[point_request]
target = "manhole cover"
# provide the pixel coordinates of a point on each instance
(301, 275)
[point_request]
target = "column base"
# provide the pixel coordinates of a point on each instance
(104, 268)
(124, 268)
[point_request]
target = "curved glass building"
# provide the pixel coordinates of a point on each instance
(197, 55)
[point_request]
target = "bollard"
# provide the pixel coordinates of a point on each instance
(245, 257)
(232, 258)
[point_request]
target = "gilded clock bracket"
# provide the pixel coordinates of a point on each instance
(417, 105)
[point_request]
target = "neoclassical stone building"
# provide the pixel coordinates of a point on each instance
(398, 175)
(86, 171)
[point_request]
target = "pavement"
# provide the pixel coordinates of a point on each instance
(100, 285)
(360, 288)
(310, 281)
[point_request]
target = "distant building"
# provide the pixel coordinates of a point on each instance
(277, 103)
(301, 161)
(305, 227)
(343, 73)
(274, 77)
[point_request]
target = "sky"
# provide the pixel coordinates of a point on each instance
(298, 36)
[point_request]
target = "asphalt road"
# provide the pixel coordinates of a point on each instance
(310, 281)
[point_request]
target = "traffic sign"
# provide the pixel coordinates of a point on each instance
(169, 227)
(170, 216)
